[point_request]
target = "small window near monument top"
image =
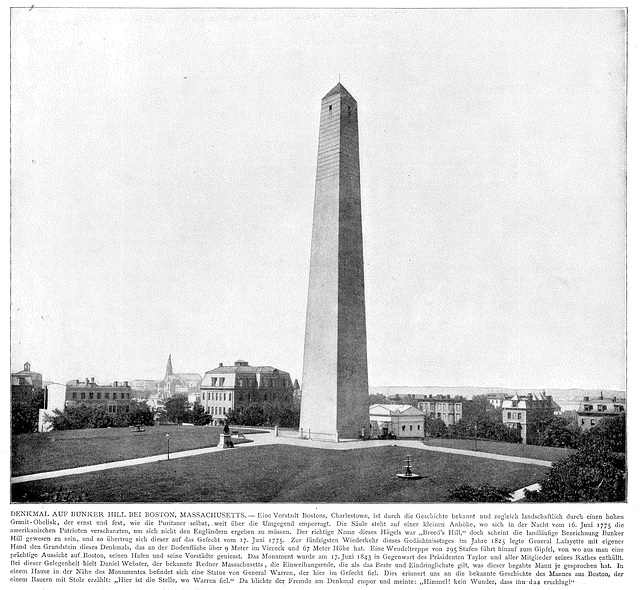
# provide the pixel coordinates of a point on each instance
(330, 106)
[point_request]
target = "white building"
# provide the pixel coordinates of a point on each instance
(54, 399)
(403, 421)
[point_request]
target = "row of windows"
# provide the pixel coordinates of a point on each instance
(602, 408)
(518, 417)
(98, 395)
(593, 422)
(216, 396)
(440, 406)
(216, 411)
(248, 382)
(410, 427)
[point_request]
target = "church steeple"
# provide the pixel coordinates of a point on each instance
(169, 368)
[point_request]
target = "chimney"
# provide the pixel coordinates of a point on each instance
(586, 398)
(614, 399)
(601, 395)
(86, 380)
(126, 384)
(93, 380)
(115, 384)
(220, 365)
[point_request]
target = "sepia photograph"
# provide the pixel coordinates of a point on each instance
(316, 256)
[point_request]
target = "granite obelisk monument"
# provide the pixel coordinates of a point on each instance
(335, 388)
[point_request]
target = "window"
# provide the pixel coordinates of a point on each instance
(403, 428)
(98, 395)
(241, 382)
(582, 422)
(602, 408)
(122, 395)
(411, 427)
(221, 381)
(213, 380)
(82, 395)
(91, 395)
(588, 408)
(75, 394)
(224, 396)
(330, 106)
(593, 422)
(418, 426)
(519, 415)
(216, 396)
(508, 415)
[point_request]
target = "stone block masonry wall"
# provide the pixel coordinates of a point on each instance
(334, 381)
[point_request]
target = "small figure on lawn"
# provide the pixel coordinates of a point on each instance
(228, 443)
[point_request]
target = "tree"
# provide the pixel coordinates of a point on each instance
(24, 417)
(479, 407)
(25, 408)
(610, 433)
(557, 432)
(281, 413)
(139, 414)
(80, 416)
(250, 415)
(435, 427)
(593, 474)
(177, 409)
(199, 415)
(481, 493)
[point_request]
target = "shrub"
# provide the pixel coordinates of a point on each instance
(593, 474)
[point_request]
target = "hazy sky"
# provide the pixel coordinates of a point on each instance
(163, 178)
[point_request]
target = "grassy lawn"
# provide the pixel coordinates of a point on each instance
(289, 474)
(46, 451)
(502, 448)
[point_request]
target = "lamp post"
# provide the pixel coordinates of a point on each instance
(167, 446)
(475, 429)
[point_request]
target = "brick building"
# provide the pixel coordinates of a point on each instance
(115, 397)
(226, 388)
(442, 407)
(25, 384)
(525, 412)
(593, 410)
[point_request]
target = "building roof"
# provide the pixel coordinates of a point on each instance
(243, 369)
(16, 378)
(396, 409)
(337, 89)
